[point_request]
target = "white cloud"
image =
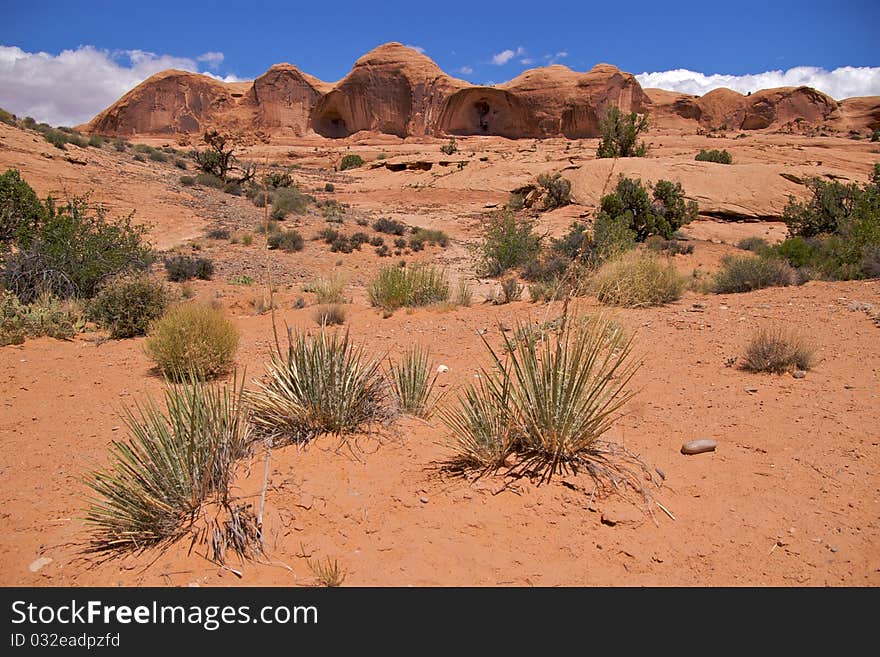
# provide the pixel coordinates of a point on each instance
(501, 58)
(211, 59)
(71, 87)
(554, 58)
(844, 82)
(525, 61)
(418, 49)
(466, 70)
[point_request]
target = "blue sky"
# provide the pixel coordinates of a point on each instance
(480, 42)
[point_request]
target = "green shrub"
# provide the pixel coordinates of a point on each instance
(210, 180)
(557, 190)
(747, 273)
(180, 164)
(508, 241)
(7, 117)
(20, 210)
(288, 200)
(278, 179)
(127, 305)
(187, 181)
(419, 285)
(875, 136)
(351, 161)
(830, 203)
(45, 316)
(662, 213)
(777, 351)
(635, 280)
(192, 337)
(329, 187)
(431, 236)
(219, 233)
(412, 383)
(754, 244)
(719, 157)
(450, 148)
(73, 250)
(620, 133)
(174, 462)
(97, 141)
(671, 247)
(547, 404)
(120, 145)
(57, 138)
(321, 384)
(184, 268)
(157, 156)
(287, 240)
(389, 226)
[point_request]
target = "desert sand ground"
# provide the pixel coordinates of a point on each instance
(791, 496)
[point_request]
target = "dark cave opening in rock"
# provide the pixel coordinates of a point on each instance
(485, 111)
(331, 124)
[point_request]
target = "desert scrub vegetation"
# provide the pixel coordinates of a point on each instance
(412, 383)
(747, 273)
(327, 290)
(66, 249)
(754, 244)
(21, 212)
(417, 285)
(192, 337)
(834, 234)
(630, 209)
(322, 383)
(45, 316)
(719, 157)
(172, 477)
(128, 304)
(288, 241)
(449, 148)
(331, 315)
(351, 161)
(776, 350)
(181, 268)
(509, 240)
(218, 161)
(620, 133)
(637, 279)
(557, 190)
(541, 408)
(286, 201)
(389, 226)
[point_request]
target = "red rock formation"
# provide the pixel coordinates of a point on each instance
(395, 90)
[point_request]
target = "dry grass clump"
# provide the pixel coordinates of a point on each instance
(174, 466)
(412, 383)
(46, 315)
(331, 315)
(542, 408)
(323, 383)
(636, 279)
(327, 290)
(194, 337)
(417, 285)
(777, 350)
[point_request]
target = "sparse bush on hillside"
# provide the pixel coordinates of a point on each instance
(97, 141)
(157, 156)
(557, 190)
(127, 305)
(192, 337)
(327, 290)
(635, 280)
(184, 268)
(418, 285)
(747, 273)
(510, 291)
(73, 250)
(210, 180)
(320, 384)
(754, 244)
(351, 161)
(662, 213)
(219, 160)
(508, 241)
(450, 148)
(777, 351)
(620, 133)
(288, 200)
(20, 210)
(719, 157)
(389, 226)
(330, 315)
(287, 240)
(278, 179)
(430, 236)
(7, 117)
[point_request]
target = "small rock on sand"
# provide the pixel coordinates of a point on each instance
(799, 374)
(699, 446)
(38, 564)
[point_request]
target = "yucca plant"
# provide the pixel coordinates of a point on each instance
(322, 384)
(174, 461)
(548, 400)
(412, 383)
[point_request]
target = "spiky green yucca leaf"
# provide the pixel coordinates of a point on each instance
(172, 463)
(411, 382)
(547, 400)
(323, 384)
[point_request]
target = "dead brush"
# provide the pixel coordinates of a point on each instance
(541, 409)
(777, 350)
(175, 464)
(327, 573)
